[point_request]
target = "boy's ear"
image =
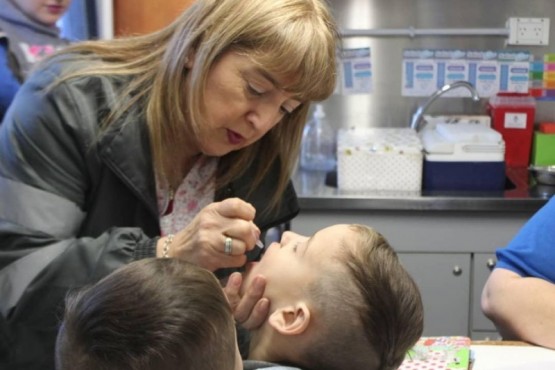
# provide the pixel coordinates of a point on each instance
(290, 320)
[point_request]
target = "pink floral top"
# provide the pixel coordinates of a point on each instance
(195, 192)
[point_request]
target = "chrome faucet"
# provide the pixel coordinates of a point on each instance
(419, 114)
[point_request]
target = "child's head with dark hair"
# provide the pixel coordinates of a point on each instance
(151, 314)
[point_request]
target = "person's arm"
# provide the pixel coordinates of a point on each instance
(47, 169)
(8, 81)
(521, 307)
(519, 296)
(45, 175)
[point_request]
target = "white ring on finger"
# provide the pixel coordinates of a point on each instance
(228, 245)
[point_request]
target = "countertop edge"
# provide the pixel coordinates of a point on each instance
(422, 204)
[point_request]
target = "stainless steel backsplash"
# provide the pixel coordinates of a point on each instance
(385, 106)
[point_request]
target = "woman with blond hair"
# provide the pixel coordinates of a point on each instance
(175, 144)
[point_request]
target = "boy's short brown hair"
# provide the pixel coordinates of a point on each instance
(150, 314)
(370, 318)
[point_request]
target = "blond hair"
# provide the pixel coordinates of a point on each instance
(289, 38)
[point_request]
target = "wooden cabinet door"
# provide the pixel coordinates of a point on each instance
(444, 282)
(144, 16)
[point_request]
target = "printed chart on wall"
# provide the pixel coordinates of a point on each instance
(356, 71)
(438, 353)
(490, 72)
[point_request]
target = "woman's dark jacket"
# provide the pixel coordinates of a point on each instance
(74, 207)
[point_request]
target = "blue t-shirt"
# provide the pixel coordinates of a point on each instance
(8, 82)
(531, 253)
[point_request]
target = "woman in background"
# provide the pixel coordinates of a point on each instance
(175, 144)
(28, 33)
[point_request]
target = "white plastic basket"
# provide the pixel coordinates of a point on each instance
(370, 159)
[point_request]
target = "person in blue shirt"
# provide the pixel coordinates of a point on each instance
(28, 33)
(519, 296)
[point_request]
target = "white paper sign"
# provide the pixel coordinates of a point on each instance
(356, 71)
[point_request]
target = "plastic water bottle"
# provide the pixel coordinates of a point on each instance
(318, 148)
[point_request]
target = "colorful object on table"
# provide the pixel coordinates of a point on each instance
(438, 353)
(543, 148)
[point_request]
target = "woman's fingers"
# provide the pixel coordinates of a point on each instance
(219, 236)
(232, 289)
(258, 315)
(239, 225)
(252, 309)
(233, 246)
(236, 208)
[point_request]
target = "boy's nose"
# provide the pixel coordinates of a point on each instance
(287, 236)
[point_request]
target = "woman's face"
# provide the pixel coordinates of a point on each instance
(242, 103)
(47, 12)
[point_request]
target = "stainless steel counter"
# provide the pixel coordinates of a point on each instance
(317, 191)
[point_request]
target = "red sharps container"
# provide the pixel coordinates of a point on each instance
(512, 115)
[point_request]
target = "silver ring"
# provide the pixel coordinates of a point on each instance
(227, 245)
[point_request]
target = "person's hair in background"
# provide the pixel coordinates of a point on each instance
(293, 39)
(151, 314)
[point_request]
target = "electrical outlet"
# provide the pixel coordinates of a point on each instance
(528, 31)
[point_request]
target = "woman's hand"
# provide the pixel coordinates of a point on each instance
(251, 309)
(218, 237)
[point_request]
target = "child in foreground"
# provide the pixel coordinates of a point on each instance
(155, 313)
(338, 300)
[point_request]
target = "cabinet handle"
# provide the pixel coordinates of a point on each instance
(490, 263)
(457, 270)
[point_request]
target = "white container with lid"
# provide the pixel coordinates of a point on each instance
(462, 139)
(370, 159)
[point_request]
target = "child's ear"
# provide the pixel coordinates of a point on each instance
(290, 320)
